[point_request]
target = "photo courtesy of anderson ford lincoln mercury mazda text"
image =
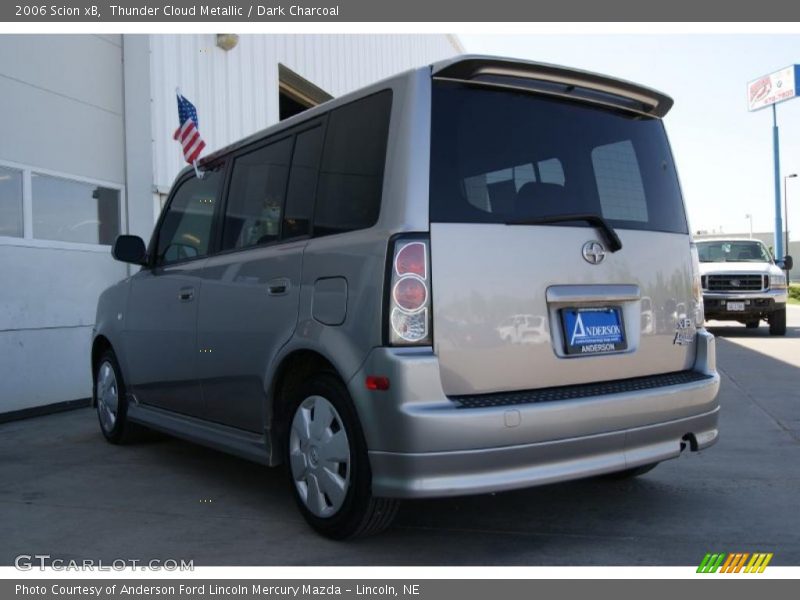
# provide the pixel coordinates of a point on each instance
(472, 277)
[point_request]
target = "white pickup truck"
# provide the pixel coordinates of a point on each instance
(741, 282)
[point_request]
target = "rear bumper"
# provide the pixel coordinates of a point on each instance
(436, 474)
(422, 444)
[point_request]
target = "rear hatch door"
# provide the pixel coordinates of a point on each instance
(505, 163)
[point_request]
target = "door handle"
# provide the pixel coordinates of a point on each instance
(278, 287)
(186, 294)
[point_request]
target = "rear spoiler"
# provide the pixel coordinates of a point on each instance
(555, 81)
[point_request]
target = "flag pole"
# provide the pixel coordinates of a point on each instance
(197, 171)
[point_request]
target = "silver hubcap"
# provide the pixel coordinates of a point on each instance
(107, 396)
(319, 455)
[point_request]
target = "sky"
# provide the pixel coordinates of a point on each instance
(723, 152)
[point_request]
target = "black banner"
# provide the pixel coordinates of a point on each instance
(376, 589)
(152, 11)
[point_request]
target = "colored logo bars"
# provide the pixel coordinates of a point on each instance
(735, 562)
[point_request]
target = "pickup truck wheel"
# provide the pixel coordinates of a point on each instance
(777, 322)
(329, 469)
(751, 324)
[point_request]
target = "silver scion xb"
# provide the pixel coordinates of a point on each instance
(472, 277)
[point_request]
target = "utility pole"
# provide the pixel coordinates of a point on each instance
(766, 91)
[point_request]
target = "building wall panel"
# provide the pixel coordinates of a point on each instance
(236, 92)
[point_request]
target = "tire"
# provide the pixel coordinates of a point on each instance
(777, 322)
(327, 461)
(751, 324)
(108, 395)
(631, 473)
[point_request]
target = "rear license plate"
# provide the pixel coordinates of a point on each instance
(595, 330)
(736, 306)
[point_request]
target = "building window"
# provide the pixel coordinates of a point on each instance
(73, 211)
(11, 202)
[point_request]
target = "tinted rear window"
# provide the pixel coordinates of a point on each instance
(499, 155)
(351, 175)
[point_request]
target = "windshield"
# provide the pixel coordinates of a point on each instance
(499, 156)
(733, 251)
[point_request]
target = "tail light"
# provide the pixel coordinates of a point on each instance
(409, 292)
(697, 288)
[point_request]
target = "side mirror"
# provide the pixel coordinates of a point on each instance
(788, 263)
(129, 249)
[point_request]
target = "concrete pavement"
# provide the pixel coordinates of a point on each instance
(67, 493)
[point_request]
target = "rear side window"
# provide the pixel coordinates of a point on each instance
(302, 183)
(351, 172)
(256, 195)
(500, 155)
(185, 231)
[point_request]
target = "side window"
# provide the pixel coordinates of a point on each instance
(351, 175)
(255, 197)
(302, 183)
(186, 229)
(619, 182)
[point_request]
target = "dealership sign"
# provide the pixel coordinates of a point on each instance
(773, 88)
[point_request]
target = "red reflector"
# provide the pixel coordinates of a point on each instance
(375, 383)
(411, 260)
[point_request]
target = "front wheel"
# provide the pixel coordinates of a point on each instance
(328, 464)
(777, 322)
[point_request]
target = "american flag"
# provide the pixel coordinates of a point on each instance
(188, 131)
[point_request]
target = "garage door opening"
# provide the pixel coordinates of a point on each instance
(296, 94)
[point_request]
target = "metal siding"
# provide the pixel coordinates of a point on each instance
(236, 92)
(62, 101)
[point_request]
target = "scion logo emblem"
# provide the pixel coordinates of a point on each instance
(593, 252)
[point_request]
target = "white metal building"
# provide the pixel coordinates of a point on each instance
(86, 152)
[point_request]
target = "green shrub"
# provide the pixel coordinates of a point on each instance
(794, 291)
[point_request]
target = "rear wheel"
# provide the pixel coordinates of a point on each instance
(629, 473)
(110, 400)
(328, 464)
(777, 322)
(751, 324)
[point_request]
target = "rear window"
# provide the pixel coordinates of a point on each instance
(500, 155)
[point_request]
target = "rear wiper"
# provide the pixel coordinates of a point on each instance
(612, 239)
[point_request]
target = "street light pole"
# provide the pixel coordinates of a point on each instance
(749, 217)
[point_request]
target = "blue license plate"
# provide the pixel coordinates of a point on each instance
(594, 330)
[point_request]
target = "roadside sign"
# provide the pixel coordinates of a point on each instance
(773, 88)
